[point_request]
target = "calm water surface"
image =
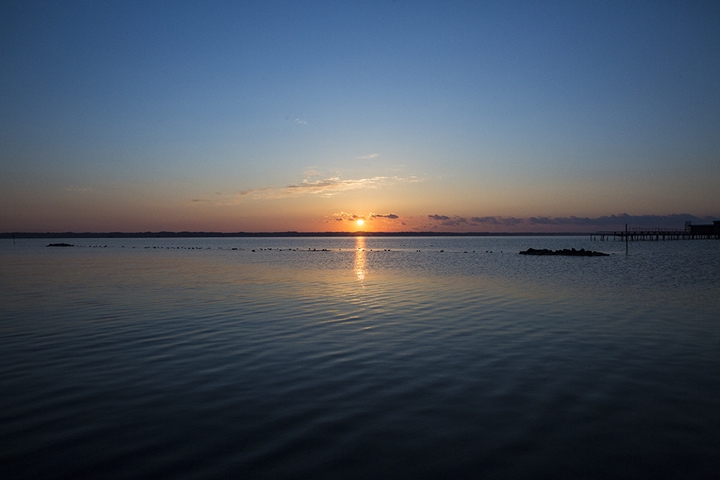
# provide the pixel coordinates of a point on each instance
(359, 358)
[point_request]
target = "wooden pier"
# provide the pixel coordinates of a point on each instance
(652, 234)
(690, 232)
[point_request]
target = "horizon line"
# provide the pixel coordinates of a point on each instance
(290, 233)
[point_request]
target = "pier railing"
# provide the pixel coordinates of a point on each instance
(654, 234)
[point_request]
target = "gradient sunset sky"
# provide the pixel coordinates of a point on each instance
(434, 116)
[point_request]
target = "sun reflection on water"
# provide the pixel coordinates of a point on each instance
(360, 258)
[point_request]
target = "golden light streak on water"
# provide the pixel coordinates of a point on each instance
(360, 258)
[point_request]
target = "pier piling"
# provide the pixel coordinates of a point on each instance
(694, 232)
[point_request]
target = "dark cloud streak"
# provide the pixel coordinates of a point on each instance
(583, 223)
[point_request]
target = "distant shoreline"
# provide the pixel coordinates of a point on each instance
(18, 235)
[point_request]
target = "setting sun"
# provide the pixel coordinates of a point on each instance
(360, 222)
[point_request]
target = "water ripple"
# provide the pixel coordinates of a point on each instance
(214, 362)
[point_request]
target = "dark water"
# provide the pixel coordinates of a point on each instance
(186, 359)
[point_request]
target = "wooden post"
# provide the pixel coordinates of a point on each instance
(626, 239)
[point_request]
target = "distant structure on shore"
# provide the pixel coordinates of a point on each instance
(713, 229)
(690, 232)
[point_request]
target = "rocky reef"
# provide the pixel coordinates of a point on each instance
(565, 252)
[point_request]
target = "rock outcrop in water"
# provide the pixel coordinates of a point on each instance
(565, 252)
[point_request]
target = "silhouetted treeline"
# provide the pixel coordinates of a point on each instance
(267, 234)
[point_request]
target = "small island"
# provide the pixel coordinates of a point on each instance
(565, 252)
(60, 245)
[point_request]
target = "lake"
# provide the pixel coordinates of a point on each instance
(377, 357)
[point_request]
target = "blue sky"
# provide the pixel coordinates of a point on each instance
(273, 116)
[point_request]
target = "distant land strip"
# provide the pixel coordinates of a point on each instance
(18, 235)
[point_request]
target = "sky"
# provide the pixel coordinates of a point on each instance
(265, 116)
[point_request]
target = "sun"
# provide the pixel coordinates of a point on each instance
(360, 222)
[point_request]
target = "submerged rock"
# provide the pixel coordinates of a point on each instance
(569, 253)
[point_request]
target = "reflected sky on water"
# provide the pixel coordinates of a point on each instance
(359, 358)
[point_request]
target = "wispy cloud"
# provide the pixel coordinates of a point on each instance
(350, 217)
(676, 220)
(453, 221)
(300, 122)
(326, 187)
(390, 216)
(368, 157)
(331, 186)
(255, 191)
(312, 172)
(410, 179)
(505, 221)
